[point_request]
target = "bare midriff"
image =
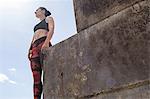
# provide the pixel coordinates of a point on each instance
(39, 33)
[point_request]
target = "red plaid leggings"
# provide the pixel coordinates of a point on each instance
(36, 66)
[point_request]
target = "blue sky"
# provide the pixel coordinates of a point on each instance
(17, 20)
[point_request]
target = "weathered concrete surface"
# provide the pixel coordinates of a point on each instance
(89, 12)
(113, 52)
(142, 92)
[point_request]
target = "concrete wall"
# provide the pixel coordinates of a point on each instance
(89, 12)
(111, 53)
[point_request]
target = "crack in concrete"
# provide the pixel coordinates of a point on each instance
(111, 90)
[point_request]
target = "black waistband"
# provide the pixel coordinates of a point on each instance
(38, 41)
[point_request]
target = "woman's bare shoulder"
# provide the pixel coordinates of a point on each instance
(49, 18)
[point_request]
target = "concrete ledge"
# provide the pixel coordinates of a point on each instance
(111, 53)
(135, 89)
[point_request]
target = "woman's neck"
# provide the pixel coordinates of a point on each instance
(42, 18)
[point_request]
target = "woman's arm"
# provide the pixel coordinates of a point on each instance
(30, 45)
(50, 32)
(51, 29)
(30, 50)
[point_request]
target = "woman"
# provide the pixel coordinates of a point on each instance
(43, 32)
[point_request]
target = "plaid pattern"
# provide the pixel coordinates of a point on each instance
(36, 66)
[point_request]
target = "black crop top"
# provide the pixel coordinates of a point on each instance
(41, 25)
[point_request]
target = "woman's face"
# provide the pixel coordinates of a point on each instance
(39, 12)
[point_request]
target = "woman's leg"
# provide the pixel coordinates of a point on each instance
(36, 67)
(37, 72)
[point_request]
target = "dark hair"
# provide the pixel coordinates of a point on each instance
(47, 13)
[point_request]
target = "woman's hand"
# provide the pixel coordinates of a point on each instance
(29, 54)
(45, 45)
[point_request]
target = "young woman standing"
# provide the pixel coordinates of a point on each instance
(43, 32)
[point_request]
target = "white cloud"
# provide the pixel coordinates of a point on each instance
(4, 78)
(12, 82)
(12, 69)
